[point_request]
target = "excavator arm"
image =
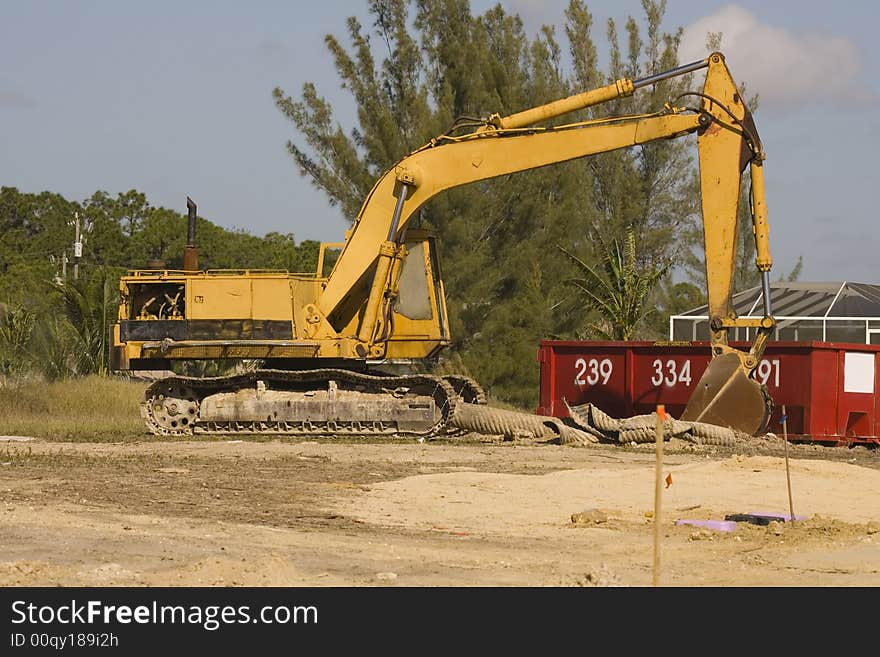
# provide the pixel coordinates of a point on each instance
(727, 142)
(726, 394)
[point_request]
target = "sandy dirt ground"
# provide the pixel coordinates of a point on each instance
(469, 512)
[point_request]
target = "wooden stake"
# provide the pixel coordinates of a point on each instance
(787, 471)
(658, 490)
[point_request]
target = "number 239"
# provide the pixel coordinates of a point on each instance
(591, 372)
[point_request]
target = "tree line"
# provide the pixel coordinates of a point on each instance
(55, 310)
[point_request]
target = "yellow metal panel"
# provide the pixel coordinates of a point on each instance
(218, 298)
(271, 298)
(406, 328)
(412, 348)
(720, 180)
(302, 292)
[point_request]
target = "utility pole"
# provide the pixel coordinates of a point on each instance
(77, 247)
(79, 240)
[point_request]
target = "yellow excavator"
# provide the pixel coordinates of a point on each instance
(322, 341)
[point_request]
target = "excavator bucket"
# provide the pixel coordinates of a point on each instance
(727, 397)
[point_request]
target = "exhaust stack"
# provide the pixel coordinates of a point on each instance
(190, 252)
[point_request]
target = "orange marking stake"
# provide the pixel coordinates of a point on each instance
(658, 490)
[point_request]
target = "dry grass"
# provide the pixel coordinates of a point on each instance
(93, 409)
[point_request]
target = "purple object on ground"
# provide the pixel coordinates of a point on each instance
(719, 525)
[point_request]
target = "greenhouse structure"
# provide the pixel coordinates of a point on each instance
(826, 312)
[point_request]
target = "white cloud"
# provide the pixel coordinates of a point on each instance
(785, 68)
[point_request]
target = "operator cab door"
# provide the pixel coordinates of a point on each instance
(420, 319)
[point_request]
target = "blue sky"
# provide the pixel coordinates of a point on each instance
(174, 99)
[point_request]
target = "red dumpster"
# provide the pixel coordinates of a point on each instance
(828, 388)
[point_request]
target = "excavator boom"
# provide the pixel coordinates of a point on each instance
(727, 142)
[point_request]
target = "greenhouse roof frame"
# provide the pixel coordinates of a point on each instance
(793, 301)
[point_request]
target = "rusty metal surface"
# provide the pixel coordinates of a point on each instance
(467, 389)
(304, 402)
(330, 406)
(727, 397)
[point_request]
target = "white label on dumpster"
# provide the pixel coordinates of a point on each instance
(858, 372)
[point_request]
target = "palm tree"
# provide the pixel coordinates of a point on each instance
(617, 290)
(16, 331)
(90, 309)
